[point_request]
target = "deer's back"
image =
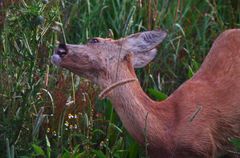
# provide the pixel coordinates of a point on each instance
(222, 63)
(208, 105)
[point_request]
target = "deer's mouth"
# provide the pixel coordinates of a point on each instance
(59, 54)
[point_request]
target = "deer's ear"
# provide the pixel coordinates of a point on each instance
(142, 45)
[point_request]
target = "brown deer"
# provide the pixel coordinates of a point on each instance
(198, 120)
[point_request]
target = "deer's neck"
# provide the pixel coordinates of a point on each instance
(138, 112)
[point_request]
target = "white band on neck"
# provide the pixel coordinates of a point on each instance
(105, 92)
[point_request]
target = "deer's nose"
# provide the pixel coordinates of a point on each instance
(62, 50)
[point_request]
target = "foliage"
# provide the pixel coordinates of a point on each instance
(49, 112)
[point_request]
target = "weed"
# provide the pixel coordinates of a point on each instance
(49, 112)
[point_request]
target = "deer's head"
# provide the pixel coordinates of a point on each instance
(100, 58)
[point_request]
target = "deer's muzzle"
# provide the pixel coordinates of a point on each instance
(60, 52)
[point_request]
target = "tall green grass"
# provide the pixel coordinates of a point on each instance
(49, 112)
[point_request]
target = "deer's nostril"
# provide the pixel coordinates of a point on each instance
(62, 50)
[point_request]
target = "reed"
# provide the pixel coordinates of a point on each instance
(49, 112)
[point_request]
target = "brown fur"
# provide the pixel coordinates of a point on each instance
(197, 120)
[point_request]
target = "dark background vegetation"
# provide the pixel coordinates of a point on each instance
(49, 112)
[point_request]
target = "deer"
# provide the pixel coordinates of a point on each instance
(199, 119)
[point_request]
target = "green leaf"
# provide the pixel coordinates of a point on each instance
(190, 72)
(76, 149)
(193, 69)
(38, 150)
(133, 149)
(99, 153)
(47, 141)
(236, 143)
(66, 154)
(48, 147)
(157, 94)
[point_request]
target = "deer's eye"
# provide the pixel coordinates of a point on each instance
(93, 40)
